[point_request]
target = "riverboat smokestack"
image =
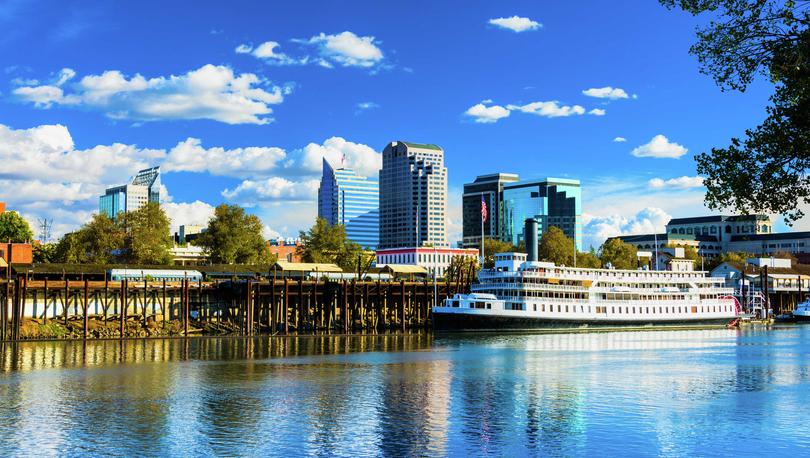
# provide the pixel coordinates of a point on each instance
(530, 237)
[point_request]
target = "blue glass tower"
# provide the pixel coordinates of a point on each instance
(552, 202)
(353, 201)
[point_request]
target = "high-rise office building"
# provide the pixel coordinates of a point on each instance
(490, 187)
(143, 188)
(353, 201)
(552, 202)
(413, 196)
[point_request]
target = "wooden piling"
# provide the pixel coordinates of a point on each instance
(86, 310)
(285, 308)
(122, 308)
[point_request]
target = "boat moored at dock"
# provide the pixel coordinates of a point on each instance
(521, 294)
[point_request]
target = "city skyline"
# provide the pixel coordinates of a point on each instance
(243, 110)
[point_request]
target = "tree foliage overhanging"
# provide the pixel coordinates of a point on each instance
(766, 170)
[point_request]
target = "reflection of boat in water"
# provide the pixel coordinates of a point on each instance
(802, 312)
(521, 294)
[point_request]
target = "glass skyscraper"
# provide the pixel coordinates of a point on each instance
(353, 201)
(553, 202)
(143, 188)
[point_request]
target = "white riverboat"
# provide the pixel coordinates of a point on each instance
(802, 312)
(521, 294)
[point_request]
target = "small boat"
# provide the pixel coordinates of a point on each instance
(802, 312)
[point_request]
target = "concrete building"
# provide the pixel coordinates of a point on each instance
(551, 201)
(490, 187)
(433, 259)
(413, 196)
(143, 188)
(188, 255)
(353, 201)
(714, 235)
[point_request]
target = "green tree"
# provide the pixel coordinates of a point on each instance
(325, 243)
(234, 237)
(492, 247)
(100, 241)
(589, 260)
(14, 228)
(69, 250)
(147, 237)
(733, 257)
(556, 247)
(44, 253)
(619, 254)
(766, 170)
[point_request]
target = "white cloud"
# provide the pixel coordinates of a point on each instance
(190, 156)
(367, 105)
(362, 158)
(65, 75)
(274, 189)
(516, 23)
(659, 147)
(267, 52)
(646, 221)
(619, 139)
(683, 182)
(209, 92)
(597, 112)
(345, 49)
(606, 92)
(487, 114)
(551, 109)
(180, 213)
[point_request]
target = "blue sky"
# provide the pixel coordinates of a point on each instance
(91, 91)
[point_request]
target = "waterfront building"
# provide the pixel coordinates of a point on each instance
(142, 189)
(551, 201)
(285, 250)
(433, 259)
(188, 255)
(490, 188)
(351, 200)
(189, 232)
(714, 235)
(413, 196)
(14, 253)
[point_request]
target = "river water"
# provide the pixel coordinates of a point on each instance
(673, 393)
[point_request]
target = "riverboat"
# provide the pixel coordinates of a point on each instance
(520, 294)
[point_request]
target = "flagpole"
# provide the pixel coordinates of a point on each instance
(482, 232)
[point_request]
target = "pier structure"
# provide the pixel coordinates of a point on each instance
(82, 309)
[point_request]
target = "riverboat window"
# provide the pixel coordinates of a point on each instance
(566, 309)
(634, 310)
(542, 308)
(694, 309)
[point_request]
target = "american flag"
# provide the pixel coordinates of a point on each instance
(483, 209)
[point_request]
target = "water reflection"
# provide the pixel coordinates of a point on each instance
(676, 393)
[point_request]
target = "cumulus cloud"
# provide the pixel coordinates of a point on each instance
(659, 147)
(341, 153)
(486, 114)
(619, 139)
(606, 92)
(684, 182)
(597, 112)
(267, 52)
(180, 213)
(516, 23)
(551, 109)
(647, 221)
(190, 156)
(345, 49)
(252, 192)
(209, 92)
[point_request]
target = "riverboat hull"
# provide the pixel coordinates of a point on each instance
(444, 321)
